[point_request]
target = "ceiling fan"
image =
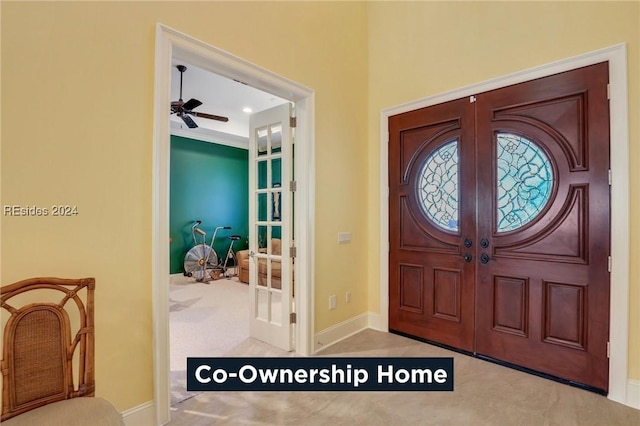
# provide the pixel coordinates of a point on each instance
(184, 109)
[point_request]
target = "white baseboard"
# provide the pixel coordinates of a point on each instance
(142, 415)
(376, 322)
(633, 393)
(340, 331)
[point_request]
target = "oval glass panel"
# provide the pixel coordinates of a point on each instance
(438, 186)
(524, 180)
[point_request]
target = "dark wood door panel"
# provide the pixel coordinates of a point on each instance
(415, 236)
(562, 238)
(430, 303)
(556, 320)
(518, 273)
(433, 297)
(411, 289)
(564, 118)
(431, 287)
(447, 294)
(510, 313)
(564, 314)
(415, 141)
(430, 291)
(543, 325)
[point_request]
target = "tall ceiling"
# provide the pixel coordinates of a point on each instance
(219, 96)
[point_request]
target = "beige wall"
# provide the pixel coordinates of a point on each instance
(77, 103)
(419, 49)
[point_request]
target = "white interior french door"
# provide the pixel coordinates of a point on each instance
(270, 216)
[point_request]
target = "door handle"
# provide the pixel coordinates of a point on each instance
(467, 257)
(484, 243)
(252, 253)
(484, 258)
(468, 242)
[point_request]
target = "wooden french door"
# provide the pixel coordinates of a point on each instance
(499, 225)
(431, 168)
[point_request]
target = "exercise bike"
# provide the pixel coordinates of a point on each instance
(202, 261)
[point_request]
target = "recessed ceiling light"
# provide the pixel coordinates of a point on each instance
(247, 110)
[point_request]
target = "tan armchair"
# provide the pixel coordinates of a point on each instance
(243, 265)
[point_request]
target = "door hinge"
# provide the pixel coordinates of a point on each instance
(293, 318)
(472, 99)
(293, 252)
(293, 121)
(608, 349)
(609, 177)
(609, 264)
(293, 186)
(608, 91)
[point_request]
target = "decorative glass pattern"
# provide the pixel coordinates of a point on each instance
(438, 186)
(525, 180)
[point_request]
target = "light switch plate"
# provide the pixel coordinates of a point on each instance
(344, 237)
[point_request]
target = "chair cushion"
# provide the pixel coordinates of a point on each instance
(81, 411)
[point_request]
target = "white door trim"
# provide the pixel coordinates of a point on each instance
(174, 44)
(619, 134)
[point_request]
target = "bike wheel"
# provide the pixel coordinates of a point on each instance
(198, 260)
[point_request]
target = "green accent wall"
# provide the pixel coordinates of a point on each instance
(209, 182)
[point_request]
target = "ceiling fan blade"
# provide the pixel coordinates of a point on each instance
(191, 104)
(188, 121)
(209, 116)
(184, 108)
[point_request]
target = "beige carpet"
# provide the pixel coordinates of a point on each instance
(205, 320)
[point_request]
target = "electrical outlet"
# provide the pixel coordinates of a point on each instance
(347, 297)
(332, 302)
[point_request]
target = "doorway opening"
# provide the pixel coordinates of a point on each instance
(173, 45)
(209, 293)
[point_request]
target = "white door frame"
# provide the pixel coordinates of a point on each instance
(174, 44)
(619, 140)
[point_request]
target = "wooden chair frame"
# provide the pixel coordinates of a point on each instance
(23, 323)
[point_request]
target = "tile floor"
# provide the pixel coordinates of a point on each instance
(485, 394)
